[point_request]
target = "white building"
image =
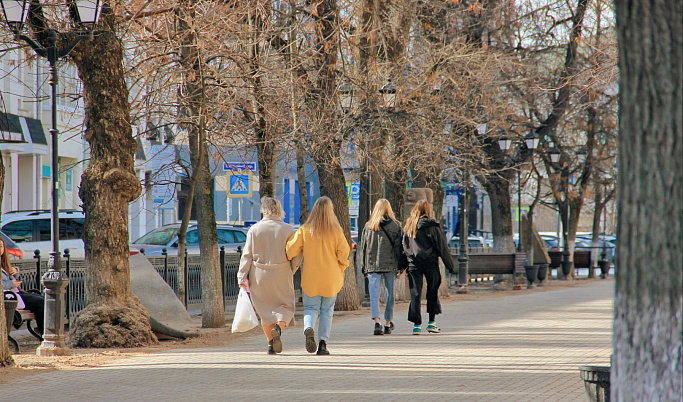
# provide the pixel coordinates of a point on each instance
(25, 118)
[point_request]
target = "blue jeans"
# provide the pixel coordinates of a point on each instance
(319, 306)
(374, 285)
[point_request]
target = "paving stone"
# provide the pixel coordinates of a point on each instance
(520, 347)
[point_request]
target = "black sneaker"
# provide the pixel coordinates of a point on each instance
(310, 340)
(277, 340)
(378, 329)
(322, 349)
(387, 330)
(271, 351)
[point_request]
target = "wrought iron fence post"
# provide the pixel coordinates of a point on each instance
(186, 277)
(164, 252)
(36, 255)
(222, 259)
(67, 259)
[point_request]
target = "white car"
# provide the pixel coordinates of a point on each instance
(32, 230)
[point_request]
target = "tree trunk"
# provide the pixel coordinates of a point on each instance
(5, 353)
(648, 307)
(325, 141)
(213, 309)
(265, 145)
(498, 190)
(114, 317)
(332, 184)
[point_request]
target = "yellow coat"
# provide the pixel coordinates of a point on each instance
(325, 260)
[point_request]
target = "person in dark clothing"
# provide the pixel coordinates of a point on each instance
(376, 255)
(35, 303)
(423, 244)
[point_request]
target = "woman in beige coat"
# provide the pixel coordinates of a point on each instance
(267, 274)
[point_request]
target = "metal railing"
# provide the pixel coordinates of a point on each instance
(31, 271)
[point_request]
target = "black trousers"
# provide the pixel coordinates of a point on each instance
(35, 303)
(433, 277)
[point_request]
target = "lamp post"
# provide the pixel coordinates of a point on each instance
(604, 261)
(530, 142)
(85, 14)
(554, 155)
(463, 252)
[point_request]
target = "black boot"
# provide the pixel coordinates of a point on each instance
(322, 348)
(276, 333)
(378, 329)
(271, 351)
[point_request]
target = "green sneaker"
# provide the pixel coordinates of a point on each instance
(432, 328)
(417, 330)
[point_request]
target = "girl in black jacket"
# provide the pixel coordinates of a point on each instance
(376, 254)
(423, 244)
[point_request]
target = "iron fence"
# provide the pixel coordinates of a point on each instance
(31, 270)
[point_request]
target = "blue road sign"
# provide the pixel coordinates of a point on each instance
(239, 166)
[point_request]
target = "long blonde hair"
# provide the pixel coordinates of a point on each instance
(382, 208)
(421, 208)
(322, 221)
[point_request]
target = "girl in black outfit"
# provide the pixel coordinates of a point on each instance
(423, 244)
(35, 303)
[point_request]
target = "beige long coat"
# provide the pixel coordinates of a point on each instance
(264, 262)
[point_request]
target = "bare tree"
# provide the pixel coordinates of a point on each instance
(648, 331)
(114, 317)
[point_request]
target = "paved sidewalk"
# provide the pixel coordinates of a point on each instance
(525, 346)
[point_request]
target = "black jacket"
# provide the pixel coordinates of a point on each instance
(378, 251)
(429, 244)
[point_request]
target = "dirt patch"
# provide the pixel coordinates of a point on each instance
(27, 363)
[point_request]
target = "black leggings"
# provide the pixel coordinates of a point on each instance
(35, 303)
(433, 277)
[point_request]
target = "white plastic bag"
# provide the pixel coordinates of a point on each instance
(245, 316)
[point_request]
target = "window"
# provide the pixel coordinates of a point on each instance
(240, 237)
(225, 236)
(19, 232)
(44, 227)
(192, 237)
(71, 228)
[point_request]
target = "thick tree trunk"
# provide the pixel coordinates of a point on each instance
(332, 184)
(5, 353)
(325, 141)
(498, 190)
(114, 317)
(648, 318)
(213, 309)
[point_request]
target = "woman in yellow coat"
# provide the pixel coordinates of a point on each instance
(326, 256)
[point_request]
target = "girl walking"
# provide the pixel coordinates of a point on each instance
(326, 256)
(267, 273)
(377, 256)
(423, 244)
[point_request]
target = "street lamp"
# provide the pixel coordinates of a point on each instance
(85, 14)
(388, 92)
(554, 155)
(463, 256)
(346, 96)
(505, 143)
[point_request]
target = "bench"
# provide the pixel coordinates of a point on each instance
(18, 319)
(493, 263)
(582, 259)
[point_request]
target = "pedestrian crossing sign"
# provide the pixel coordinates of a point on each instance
(239, 184)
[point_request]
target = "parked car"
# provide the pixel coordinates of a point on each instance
(472, 241)
(230, 237)
(32, 230)
(12, 249)
(587, 244)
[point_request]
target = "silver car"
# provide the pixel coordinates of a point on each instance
(152, 243)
